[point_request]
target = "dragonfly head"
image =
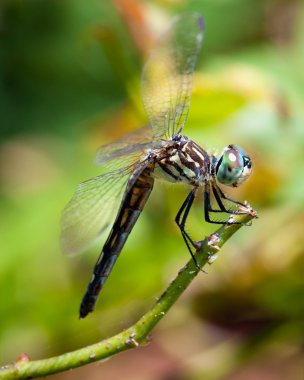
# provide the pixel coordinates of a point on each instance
(233, 167)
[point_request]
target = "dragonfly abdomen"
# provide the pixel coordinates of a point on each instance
(136, 195)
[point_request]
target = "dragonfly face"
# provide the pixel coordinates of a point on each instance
(234, 167)
(157, 152)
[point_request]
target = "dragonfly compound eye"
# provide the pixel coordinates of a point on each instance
(234, 166)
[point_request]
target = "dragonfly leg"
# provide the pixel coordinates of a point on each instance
(208, 209)
(224, 196)
(219, 194)
(181, 219)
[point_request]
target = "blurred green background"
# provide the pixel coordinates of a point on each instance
(69, 82)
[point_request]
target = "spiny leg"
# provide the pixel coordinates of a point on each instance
(181, 219)
(224, 196)
(219, 194)
(208, 209)
(217, 189)
(207, 206)
(182, 214)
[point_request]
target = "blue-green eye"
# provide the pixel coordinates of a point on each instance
(234, 166)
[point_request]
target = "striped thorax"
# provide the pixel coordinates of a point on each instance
(182, 160)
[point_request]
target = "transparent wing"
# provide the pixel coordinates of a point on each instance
(167, 76)
(126, 150)
(92, 208)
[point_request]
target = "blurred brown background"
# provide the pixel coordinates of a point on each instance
(69, 82)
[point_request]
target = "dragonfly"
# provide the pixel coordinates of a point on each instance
(157, 152)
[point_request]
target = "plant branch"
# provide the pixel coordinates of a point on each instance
(137, 334)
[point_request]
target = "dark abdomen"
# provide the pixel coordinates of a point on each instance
(136, 195)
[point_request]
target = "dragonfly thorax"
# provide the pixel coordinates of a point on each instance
(182, 160)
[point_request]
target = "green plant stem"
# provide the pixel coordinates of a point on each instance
(137, 334)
